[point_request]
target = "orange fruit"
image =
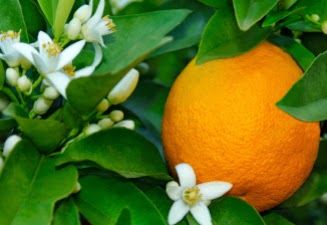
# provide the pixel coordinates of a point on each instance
(221, 117)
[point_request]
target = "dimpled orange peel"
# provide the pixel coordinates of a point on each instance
(221, 117)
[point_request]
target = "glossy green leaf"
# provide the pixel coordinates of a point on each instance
(215, 3)
(148, 102)
(307, 98)
(222, 38)
(275, 219)
(12, 17)
(249, 12)
(31, 187)
(67, 214)
(314, 7)
(62, 12)
(276, 16)
(234, 211)
(119, 150)
(48, 8)
(47, 135)
(302, 55)
(303, 26)
(103, 199)
(123, 51)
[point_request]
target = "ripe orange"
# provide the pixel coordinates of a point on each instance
(221, 118)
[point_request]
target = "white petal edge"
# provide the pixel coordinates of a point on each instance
(186, 175)
(87, 71)
(177, 212)
(70, 53)
(174, 191)
(43, 38)
(201, 214)
(40, 64)
(99, 11)
(214, 189)
(26, 50)
(59, 81)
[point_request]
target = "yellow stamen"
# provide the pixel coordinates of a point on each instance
(53, 49)
(109, 23)
(9, 35)
(191, 196)
(70, 70)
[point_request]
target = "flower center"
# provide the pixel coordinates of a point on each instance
(191, 196)
(109, 23)
(53, 49)
(9, 35)
(70, 70)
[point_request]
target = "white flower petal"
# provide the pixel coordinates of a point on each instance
(174, 191)
(201, 214)
(177, 212)
(215, 189)
(70, 53)
(40, 64)
(98, 55)
(43, 38)
(59, 81)
(26, 50)
(87, 71)
(99, 12)
(186, 175)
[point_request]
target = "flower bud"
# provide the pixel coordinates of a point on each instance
(324, 27)
(83, 13)
(2, 164)
(315, 17)
(106, 123)
(121, 92)
(103, 106)
(91, 129)
(4, 102)
(116, 115)
(12, 76)
(24, 84)
(74, 29)
(41, 106)
(323, 198)
(10, 144)
(128, 124)
(50, 93)
(26, 65)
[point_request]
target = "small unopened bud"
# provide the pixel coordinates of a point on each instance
(91, 129)
(25, 64)
(116, 115)
(24, 84)
(128, 124)
(103, 105)
(4, 102)
(42, 105)
(74, 29)
(106, 123)
(315, 17)
(323, 198)
(121, 92)
(2, 164)
(10, 144)
(77, 188)
(324, 27)
(12, 76)
(50, 93)
(83, 13)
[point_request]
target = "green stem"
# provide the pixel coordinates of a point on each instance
(37, 82)
(11, 95)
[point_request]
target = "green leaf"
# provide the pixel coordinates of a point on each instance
(249, 12)
(2, 75)
(313, 7)
(62, 12)
(276, 16)
(222, 38)
(31, 185)
(67, 214)
(47, 135)
(119, 150)
(307, 98)
(315, 42)
(148, 103)
(215, 3)
(302, 55)
(234, 211)
(48, 8)
(12, 17)
(321, 163)
(275, 219)
(15, 110)
(6, 124)
(103, 199)
(123, 52)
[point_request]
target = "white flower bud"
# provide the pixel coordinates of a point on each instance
(103, 105)
(324, 27)
(128, 124)
(2, 164)
(24, 84)
(41, 106)
(121, 92)
(50, 93)
(74, 29)
(26, 65)
(10, 144)
(83, 13)
(116, 115)
(105, 123)
(323, 198)
(315, 17)
(91, 129)
(4, 102)
(12, 76)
